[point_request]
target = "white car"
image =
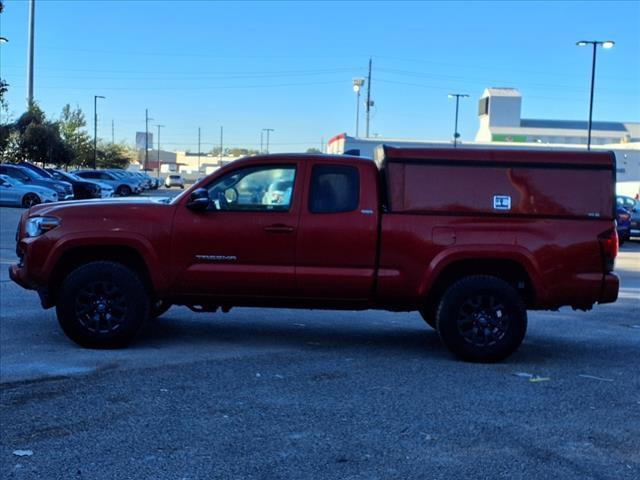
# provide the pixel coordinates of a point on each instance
(174, 180)
(15, 193)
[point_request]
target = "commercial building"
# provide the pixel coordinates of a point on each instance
(500, 109)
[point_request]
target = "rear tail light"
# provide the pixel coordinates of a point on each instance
(609, 247)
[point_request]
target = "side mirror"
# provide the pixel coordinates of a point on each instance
(199, 200)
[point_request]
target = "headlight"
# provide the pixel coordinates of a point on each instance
(36, 226)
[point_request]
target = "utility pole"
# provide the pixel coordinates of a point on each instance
(268, 130)
(369, 102)
(158, 141)
(198, 150)
(456, 135)
(221, 142)
(32, 17)
(146, 138)
(95, 128)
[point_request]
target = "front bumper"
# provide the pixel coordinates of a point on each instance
(16, 274)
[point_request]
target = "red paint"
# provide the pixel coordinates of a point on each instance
(422, 219)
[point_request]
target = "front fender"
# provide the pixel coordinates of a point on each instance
(96, 240)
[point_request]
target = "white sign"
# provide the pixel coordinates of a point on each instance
(502, 202)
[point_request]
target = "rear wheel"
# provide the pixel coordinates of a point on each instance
(481, 319)
(123, 191)
(102, 305)
(30, 199)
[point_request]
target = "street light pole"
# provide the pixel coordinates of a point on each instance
(146, 138)
(604, 44)
(357, 85)
(32, 17)
(158, 172)
(456, 135)
(95, 128)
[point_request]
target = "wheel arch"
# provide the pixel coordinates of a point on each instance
(516, 270)
(75, 256)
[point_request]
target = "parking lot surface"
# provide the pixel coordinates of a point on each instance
(270, 394)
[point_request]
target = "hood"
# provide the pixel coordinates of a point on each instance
(97, 206)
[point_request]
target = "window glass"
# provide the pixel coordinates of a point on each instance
(254, 189)
(334, 189)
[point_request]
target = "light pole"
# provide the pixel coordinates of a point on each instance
(268, 130)
(456, 135)
(95, 128)
(357, 85)
(604, 44)
(32, 19)
(158, 141)
(146, 138)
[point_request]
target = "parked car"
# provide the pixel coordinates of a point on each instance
(633, 207)
(30, 176)
(122, 185)
(145, 183)
(623, 224)
(16, 194)
(414, 230)
(174, 180)
(125, 175)
(82, 188)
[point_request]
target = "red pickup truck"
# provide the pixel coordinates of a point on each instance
(471, 239)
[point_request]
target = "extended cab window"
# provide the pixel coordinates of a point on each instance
(334, 189)
(254, 189)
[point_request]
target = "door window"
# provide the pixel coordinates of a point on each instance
(334, 189)
(254, 189)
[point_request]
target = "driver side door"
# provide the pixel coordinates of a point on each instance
(244, 244)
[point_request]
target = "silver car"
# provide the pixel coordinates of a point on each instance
(174, 180)
(14, 193)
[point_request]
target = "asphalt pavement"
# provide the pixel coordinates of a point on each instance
(297, 394)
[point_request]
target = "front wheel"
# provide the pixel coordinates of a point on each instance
(30, 199)
(124, 191)
(102, 305)
(481, 319)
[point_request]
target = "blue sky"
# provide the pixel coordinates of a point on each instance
(289, 65)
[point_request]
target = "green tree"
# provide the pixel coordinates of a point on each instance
(313, 150)
(114, 156)
(72, 123)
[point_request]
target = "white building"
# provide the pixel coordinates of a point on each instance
(500, 116)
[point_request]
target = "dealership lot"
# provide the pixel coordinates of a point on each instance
(261, 393)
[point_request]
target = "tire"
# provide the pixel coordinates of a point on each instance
(428, 314)
(159, 309)
(486, 302)
(123, 191)
(30, 199)
(102, 305)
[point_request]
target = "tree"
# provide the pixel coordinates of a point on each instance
(113, 156)
(313, 150)
(72, 123)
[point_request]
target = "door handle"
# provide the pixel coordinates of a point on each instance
(278, 228)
